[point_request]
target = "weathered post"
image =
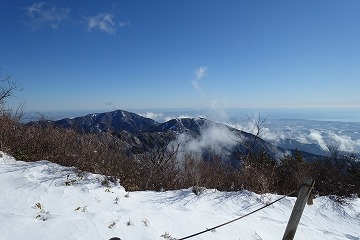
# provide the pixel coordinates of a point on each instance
(298, 209)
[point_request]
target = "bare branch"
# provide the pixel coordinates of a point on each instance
(7, 87)
(250, 140)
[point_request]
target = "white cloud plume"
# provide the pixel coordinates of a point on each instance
(317, 137)
(217, 110)
(213, 137)
(41, 14)
(342, 142)
(199, 73)
(159, 117)
(105, 22)
(195, 84)
(124, 23)
(345, 143)
(321, 137)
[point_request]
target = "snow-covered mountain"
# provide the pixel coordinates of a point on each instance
(115, 121)
(198, 134)
(42, 201)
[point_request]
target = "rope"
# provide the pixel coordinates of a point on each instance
(236, 219)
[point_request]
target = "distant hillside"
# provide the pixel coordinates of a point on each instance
(110, 122)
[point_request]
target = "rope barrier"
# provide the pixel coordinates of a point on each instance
(236, 219)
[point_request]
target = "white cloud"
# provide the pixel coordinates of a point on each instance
(344, 143)
(159, 117)
(40, 14)
(214, 137)
(105, 22)
(124, 23)
(217, 109)
(200, 72)
(195, 84)
(317, 137)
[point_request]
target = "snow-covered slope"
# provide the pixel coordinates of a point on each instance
(42, 200)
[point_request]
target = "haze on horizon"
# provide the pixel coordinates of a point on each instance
(82, 55)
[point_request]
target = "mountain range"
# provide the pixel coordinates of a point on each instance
(200, 135)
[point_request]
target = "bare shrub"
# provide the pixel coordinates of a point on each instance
(341, 177)
(7, 88)
(290, 173)
(258, 173)
(88, 152)
(215, 173)
(158, 169)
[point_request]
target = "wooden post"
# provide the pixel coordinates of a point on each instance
(298, 209)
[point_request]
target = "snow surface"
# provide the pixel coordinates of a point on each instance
(42, 200)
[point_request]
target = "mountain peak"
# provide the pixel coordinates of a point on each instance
(112, 122)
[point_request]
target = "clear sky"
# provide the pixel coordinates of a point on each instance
(81, 55)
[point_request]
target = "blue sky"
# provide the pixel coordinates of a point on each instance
(84, 55)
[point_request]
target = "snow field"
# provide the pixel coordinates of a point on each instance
(42, 200)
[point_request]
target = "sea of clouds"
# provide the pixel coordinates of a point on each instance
(320, 135)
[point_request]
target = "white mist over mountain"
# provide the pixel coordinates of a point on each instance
(315, 136)
(213, 137)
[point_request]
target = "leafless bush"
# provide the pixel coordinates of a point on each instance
(333, 178)
(87, 152)
(158, 169)
(290, 173)
(212, 173)
(7, 87)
